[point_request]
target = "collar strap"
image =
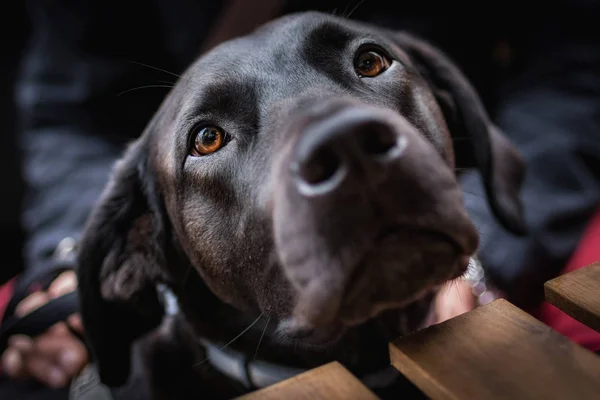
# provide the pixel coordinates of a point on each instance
(258, 374)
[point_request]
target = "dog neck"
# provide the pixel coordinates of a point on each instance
(237, 358)
(256, 373)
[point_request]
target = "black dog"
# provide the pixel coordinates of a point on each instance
(301, 181)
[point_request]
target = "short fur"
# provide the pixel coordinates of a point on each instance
(335, 276)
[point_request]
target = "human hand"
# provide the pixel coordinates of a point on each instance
(57, 355)
(460, 296)
(454, 299)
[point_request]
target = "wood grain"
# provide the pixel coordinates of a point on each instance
(497, 351)
(577, 293)
(330, 381)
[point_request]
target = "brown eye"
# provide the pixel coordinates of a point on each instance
(371, 63)
(207, 141)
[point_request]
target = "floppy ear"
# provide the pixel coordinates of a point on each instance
(486, 148)
(119, 261)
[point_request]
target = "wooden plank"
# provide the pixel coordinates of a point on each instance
(330, 381)
(496, 351)
(577, 293)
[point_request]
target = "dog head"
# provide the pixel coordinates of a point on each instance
(306, 171)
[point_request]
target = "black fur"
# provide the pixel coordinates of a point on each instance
(335, 275)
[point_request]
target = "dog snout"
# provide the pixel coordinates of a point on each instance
(353, 142)
(367, 214)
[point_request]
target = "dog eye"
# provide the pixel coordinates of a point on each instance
(208, 140)
(371, 63)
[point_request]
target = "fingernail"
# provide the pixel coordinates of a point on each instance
(68, 358)
(56, 377)
(11, 361)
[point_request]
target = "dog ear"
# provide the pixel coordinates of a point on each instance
(486, 148)
(119, 260)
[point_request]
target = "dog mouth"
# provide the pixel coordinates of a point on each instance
(324, 338)
(401, 268)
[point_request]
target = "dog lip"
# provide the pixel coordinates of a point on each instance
(461, 245)
(460, 241)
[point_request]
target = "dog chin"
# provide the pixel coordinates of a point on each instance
(390, 278)
(324, 338)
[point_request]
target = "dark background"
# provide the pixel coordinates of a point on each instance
(14, 30)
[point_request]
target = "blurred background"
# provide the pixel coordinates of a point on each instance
(14, 31)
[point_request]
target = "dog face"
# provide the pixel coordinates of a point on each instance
(306, 171)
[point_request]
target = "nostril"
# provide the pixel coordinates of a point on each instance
(378, 141)
(320, 166)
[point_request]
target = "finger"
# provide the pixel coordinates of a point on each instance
(431, 318)
(13, 363)
(59, 329)
(22, 343)
(46, 372)
(442, 314)
(75, 323)
(458, 300)
(73, 359)
(466, 296)
(30, 303)
(63, 284)
(65, 351)
(453, 300)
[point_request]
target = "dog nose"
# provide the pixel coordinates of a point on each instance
(350, 141)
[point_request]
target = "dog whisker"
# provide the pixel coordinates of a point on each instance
(145, 87)
(345, 10)
(234, 339)
(355, 8)
(261, 336)
(156, 68)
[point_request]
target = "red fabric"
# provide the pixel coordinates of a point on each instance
(587, 252)
(6, 292)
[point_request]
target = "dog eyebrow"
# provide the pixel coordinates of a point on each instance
(324, 46)
(226, 101)
(232, 99)
(330, 34)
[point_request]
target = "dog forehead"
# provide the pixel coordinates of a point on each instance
(277, 45)
(280, 59)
